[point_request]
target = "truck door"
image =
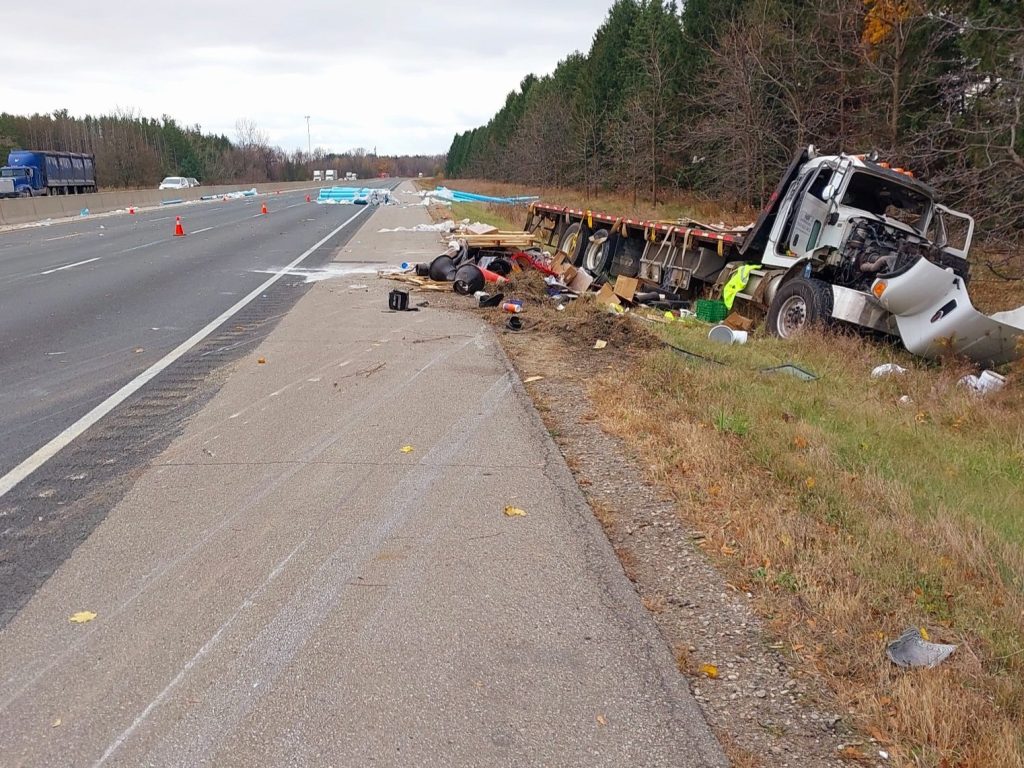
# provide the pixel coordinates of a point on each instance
(809, 220)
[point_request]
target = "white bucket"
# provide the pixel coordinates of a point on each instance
(723, 334)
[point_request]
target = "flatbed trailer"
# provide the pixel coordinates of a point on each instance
(843, 238)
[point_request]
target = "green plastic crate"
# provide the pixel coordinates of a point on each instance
(711, 311)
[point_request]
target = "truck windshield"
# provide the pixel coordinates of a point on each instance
(884, 197)
(16, 173)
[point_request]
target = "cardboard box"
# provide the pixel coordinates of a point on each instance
(738, 322)
(607, 295)
(625, 287)
(581, 281)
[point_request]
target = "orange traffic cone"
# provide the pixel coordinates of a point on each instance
(263, 210)
(308, 200)
(179, 231)
(131, 211)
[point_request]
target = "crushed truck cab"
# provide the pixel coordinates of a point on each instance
(843, 238)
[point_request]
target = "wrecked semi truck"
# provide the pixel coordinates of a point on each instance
(843, 238)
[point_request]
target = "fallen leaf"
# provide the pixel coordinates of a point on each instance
(924, 634)
(56, 723)
(710, 670)
(532, 379)
(408, 449)
(810, 483)
(601, 720)
(514, 512)
(600, 344)
(799, 443)
(82, 617)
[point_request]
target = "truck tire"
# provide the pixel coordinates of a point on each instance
(596, 254)
(799, 304)
(25, 193)
(570, 241)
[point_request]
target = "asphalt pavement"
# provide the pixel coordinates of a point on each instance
(87, 305)
(318, 570)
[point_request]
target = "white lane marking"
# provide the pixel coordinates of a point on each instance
(63, 237)
(69, 266)
(140, 247)
(200, 231)
(65, 438)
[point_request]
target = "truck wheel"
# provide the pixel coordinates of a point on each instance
(570, 241)
(798, 304)
(596, 253)
(25, 193)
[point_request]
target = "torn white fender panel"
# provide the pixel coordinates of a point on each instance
(934, 314)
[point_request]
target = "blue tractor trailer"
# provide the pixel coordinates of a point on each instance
(30, 173)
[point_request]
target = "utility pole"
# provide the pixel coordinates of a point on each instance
(309, 139)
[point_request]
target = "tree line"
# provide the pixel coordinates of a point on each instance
(718, 95)
(136, 151)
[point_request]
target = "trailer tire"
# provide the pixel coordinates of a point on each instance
(570, 241)
(596, 254)
(799, 304)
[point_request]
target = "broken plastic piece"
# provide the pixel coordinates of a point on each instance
(398, 300)
(988, 381)
(889, 369)
(514, 323)
(600, 344)
(491, 301)
(911, 650)
(792, 370)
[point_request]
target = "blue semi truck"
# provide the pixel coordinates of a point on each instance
(30, 173)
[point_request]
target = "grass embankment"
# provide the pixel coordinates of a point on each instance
(852, 508)
(852, 514)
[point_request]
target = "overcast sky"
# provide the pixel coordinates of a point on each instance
(402, 76)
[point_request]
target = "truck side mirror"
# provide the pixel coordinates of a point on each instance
(829, 192)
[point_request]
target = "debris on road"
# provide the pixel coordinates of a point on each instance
(514, 512)
(354, 196)
(82, 617)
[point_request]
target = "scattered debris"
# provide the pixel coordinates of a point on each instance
(514, 323)
(600, 344)
(532, 379)
(889, 369)
(261, 361)
(82, 617)
(514, 512)
(407, 449)
(912, 649)
(724, 334)
(398, 300)
(985, 383)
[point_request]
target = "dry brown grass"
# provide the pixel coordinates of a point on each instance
(851, 517)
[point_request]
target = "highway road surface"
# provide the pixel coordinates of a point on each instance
(88, 306)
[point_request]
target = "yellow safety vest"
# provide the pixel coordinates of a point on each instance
(737, 283)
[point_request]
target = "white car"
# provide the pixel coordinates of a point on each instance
(193, 181)
(174, 182)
